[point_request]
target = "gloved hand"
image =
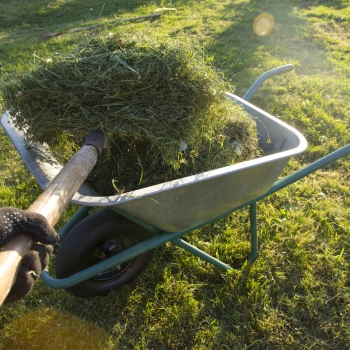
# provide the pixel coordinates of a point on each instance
(14, 222)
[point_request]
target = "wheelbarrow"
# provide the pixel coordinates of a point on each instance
(111, 247)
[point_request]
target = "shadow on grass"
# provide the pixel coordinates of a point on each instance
(36, 14)
(25, 26)
(22, 23)
(19, 14)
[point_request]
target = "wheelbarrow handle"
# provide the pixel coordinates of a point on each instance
(51, 204)
(285, 69)
(279, 70)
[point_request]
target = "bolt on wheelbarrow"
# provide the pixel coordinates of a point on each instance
(111, 247)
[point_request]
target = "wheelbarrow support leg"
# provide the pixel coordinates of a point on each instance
(211, 260)
(253, 234)
(202, 255)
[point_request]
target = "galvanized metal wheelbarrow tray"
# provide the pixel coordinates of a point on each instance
(172, 209)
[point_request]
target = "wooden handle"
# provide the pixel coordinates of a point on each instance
(51, 204)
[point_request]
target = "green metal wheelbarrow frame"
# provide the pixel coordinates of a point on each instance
(163, 237)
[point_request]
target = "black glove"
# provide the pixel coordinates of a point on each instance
(14, 222)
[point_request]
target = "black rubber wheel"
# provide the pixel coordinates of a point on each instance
(94, 239)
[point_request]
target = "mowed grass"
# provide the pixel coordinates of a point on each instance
(296, 295)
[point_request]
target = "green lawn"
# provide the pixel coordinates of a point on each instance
(296, 295)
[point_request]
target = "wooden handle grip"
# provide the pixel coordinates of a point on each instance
(51, 204)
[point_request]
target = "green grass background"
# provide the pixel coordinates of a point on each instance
(296, 295)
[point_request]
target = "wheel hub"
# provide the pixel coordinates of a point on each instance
(104, 251)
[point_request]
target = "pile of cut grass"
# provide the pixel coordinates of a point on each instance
(160, 104)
